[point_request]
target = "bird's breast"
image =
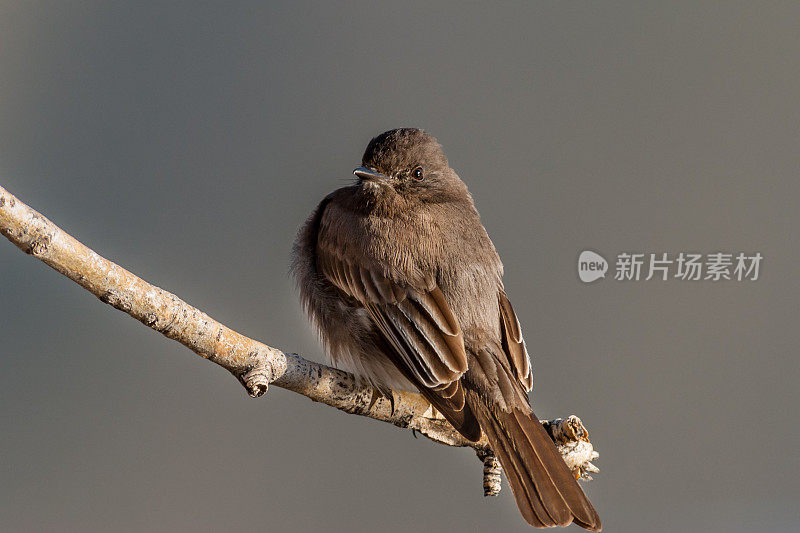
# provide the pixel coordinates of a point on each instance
(444, 246)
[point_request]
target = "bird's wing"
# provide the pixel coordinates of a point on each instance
(422, 335)
(417, 322)
(514, 344)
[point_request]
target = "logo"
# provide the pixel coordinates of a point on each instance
(662, 266)
(591, 266)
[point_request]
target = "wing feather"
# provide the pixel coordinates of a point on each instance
(417, 322)
(514, 344)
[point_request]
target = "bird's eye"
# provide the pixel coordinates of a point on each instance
(417, 173)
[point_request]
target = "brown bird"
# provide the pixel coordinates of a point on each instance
(401, 279)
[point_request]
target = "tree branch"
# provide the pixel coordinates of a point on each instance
(253, 363)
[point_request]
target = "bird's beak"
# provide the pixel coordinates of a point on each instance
(364, 173)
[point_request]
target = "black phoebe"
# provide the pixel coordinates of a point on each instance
(401, 279)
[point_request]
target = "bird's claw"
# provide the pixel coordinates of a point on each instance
(378, 393)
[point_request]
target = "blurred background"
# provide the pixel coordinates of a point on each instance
(187, 141)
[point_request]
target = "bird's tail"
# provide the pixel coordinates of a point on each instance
(546, 492)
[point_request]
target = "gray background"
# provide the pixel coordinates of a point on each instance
(188, 141)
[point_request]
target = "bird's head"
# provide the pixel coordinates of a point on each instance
(408, 163)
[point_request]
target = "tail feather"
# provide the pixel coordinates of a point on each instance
(546, 492)
(528, 500)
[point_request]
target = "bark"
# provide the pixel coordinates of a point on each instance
(253, 363)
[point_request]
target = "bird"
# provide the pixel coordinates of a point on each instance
(404, 286)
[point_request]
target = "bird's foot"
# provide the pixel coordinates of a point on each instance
(378, 393)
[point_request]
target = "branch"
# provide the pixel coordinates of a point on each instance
(253, 363)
